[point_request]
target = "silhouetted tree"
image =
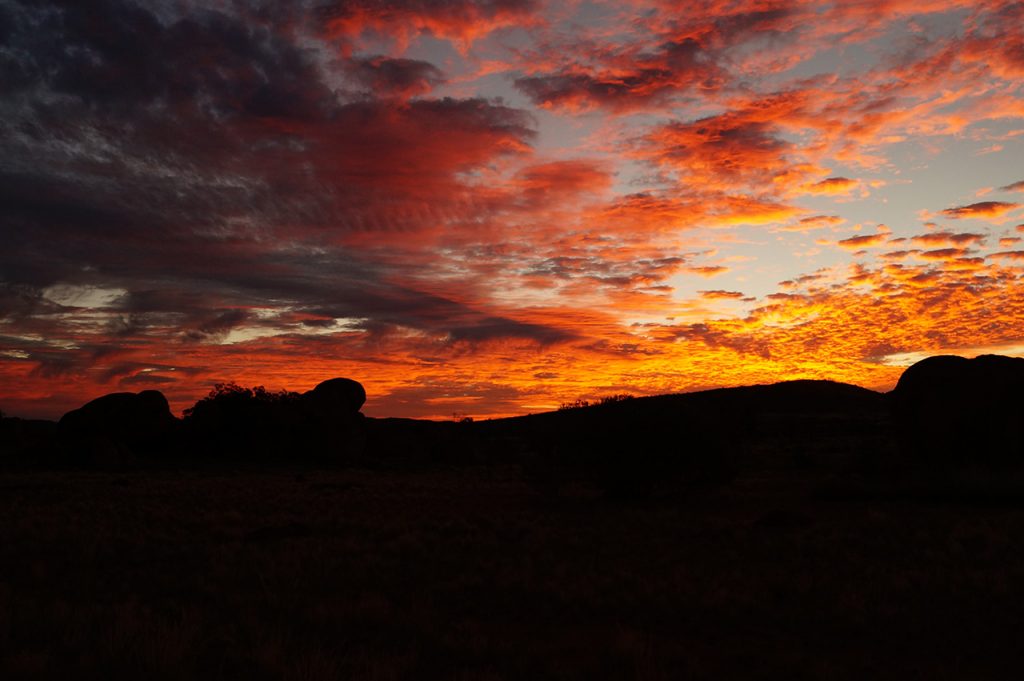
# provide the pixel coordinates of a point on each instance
(236, 422)
(231, 396)
(613, 399)
(581, 403)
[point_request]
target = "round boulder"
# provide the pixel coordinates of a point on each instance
(954, 410)
(340, 395)
(129, 418)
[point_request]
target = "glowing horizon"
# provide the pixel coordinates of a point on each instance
(491, 207)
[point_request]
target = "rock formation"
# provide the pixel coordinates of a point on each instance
(955, 411)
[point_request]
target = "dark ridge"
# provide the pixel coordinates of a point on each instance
(945, 414)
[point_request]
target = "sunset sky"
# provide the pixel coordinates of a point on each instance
(491, 207)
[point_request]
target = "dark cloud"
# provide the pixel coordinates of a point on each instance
(1008, 255)
(942, 253)
(642, 273)
(997, 41)
(581, 90)
(148, 379)
(772, 18)
(400, 77)
(691, 56)
(493, 328)
(198, 161)
(726, 148)
(720, 294)
(218, 323)
(941, 238)
(464, 19)
(118, 56)
(625, 81)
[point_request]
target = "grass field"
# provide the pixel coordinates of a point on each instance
(471, 574)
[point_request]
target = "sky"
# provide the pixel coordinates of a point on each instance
(493, 207)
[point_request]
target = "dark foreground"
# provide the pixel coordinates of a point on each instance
(805, 530)
(472, 573)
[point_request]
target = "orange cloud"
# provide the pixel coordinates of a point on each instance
(719, 294)
(708, 270)
(983, 209)
(833, 185)
(557, 181)
(942, 254)
(628, 82)
(461, 20)
(898, 255)
(1009, 255)
(721, 151)
(943, 238)
(814, 222)
(863, 241)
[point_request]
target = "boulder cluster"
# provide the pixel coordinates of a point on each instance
(231, 423)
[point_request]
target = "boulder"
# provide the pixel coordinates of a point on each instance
(335, 427)
(336, 395)
(130, 420)
(953, 410)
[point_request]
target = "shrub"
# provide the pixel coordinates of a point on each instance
(581, 403)
(231, 396)
(612, 399)
(245, 423)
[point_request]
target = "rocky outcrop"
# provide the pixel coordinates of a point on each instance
(953, 410)
(117, 427)
(334, 423)
(340, 396)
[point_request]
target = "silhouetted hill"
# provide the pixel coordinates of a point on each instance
(945, 411)
(630, 446)
(727, 405)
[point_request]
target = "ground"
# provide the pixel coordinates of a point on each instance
(471, 573)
